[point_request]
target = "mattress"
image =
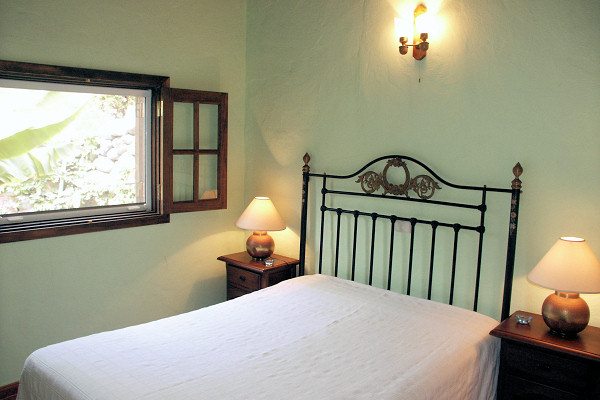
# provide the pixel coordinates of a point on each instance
(311, 337)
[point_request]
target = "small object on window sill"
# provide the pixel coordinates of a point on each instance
(269, 262)
(523, 319)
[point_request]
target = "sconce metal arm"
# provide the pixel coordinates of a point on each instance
(421, 47)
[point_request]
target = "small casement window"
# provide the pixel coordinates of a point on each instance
(195, 150)
(87, 150)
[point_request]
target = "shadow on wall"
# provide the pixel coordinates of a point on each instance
(204, 290)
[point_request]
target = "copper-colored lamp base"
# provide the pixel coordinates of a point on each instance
(566, 314)
(260, 245)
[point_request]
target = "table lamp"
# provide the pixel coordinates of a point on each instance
(569, 268)
(260, 216)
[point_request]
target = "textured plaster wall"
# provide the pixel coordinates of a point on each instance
(504, 81)
(60, 288)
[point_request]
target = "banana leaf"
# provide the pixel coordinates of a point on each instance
(23, 142)
(21, 156)
(39, 162)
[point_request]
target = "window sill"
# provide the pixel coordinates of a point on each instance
(45, 229)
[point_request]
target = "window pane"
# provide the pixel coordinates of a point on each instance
(183, 126)
(183, 177)
(207, 179)
(69, 147)
(208, 116)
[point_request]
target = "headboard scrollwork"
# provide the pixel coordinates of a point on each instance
(423, 185)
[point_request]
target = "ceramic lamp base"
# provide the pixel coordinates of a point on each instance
(260, 245)
(566, 314)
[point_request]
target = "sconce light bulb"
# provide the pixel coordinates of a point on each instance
(422, 20)
(403, 50)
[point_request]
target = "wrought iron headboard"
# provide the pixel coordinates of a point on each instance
(424, 187)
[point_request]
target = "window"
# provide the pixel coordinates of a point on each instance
(72, 150)
(79, 150)
(86, 150)
(196, 150)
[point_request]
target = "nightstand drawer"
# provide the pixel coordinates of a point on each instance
(546, 368)
(280, 276)
(516, 388)
(242, 278)
(233, 292)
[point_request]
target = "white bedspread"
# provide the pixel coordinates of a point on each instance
(312, 337)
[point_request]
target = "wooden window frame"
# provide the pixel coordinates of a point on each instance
(196, 97)
(91, 77)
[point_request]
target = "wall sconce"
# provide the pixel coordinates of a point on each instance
(420, 44)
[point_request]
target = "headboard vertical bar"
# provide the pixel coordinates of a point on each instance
(413, 222)
(512, 240)
(374, 218)
(456, 228)
(355, 235)
(434, 225)
(391, 259)
(480, 249)
(323, 192)
(337, 241)
(304, 213)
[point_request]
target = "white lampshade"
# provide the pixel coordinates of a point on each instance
(261, 215)
(569, 266)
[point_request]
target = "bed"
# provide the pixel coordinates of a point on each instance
(318, 336)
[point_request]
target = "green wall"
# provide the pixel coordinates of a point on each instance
(60, 288)
(503, 81)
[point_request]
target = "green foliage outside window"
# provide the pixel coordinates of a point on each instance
(40, 171)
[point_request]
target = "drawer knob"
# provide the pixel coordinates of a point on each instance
(243, 278)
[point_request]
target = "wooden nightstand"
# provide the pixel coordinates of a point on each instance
(537, 365)
(245, 275)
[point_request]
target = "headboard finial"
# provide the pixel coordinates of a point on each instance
(306, 160)
(517, 171)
